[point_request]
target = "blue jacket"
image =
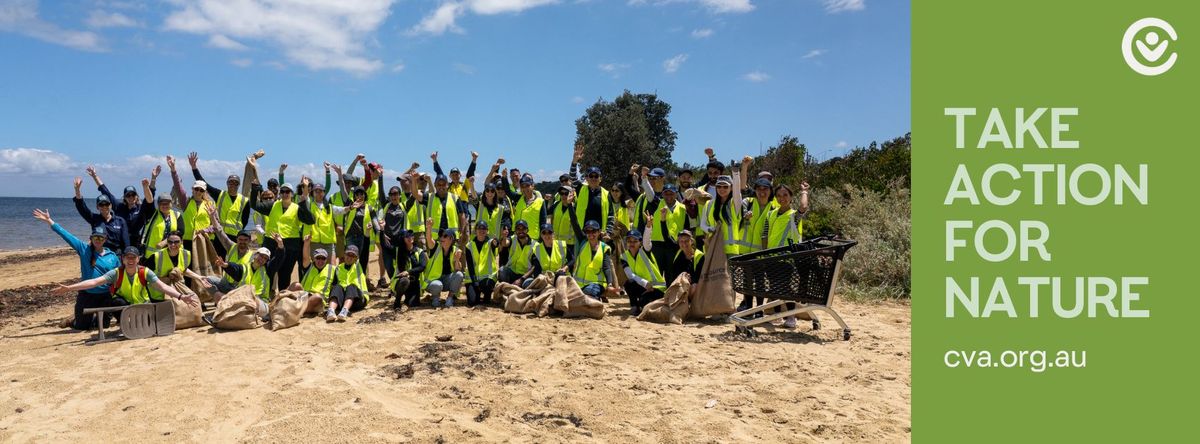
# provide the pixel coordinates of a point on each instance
(92, 264)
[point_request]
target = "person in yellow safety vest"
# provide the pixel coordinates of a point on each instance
(456, 186)
(593, 268)
(416, 212)
(483, 264)
(683, 255)
(323, 231)
(783, 227)
(592, 202)
(361, 220)
(443, 207)
(518, 248)
(622, 206)
(349, 289)
(230, 205)
(754, 212)
(528, 204)
(128, 284)
(644, 281)
(157, 219)
(285, 219)
(721, 213)
(444, 271)
(493, 210)
(559, 217)
(195, 215)
(549, 254)
(652, 184)
(174, 257)
(238, 251)
(256, 275)
(406, 286)
(668, 215)
(316, 278)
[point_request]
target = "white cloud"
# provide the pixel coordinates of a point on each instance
(674, 63)
(101, 19)
(464, 68)
(814, 53)
(714, 6)
(841, 144)
(276, 64)
(34, 161)
(398, 67)
(221, 42)
(21, 17)
(702, 33)
(838, 6)
(757, 76)
(444, 18)
(242, 63)
(317, 34)
(614, 69)
(577, 100)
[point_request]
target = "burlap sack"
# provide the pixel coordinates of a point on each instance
(714, 293)
(186, 316)
(673, 307)
(575, 304)
(503, 290)
(542, 281)
(287, 308)
(700, 196)
(525, 301)
(545, 302)
(238, 310)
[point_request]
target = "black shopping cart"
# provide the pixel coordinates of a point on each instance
(804, 274)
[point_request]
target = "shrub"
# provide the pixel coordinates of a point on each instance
(880, 266)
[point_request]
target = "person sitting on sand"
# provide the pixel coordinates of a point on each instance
(256, 275)
(519, 250)
(445, 267)
(94, 261)
(174, 257)
(349, 288)
(549, 254)
(128, 284)
(643, 280)
(593, 265)
(316, 278)
(409, 266)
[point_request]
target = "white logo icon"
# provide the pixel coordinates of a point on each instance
(1152, 48)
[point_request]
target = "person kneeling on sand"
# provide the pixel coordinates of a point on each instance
(256, 275)
(593, 266)
(644, 282)
(316, 280)
(128, 284)
(444, 271)
(349, 289)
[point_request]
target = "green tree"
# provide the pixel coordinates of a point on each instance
(633, 128)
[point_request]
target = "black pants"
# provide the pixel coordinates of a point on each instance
(389, 255)
(508, 275)
(408, 292)
(293, 248)
(342, 295)
(93, 300)
(663, 254)
(639, 296)
(221, 251)
(480, 292)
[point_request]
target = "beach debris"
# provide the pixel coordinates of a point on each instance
(710, 404)
(445, 338)
(483, 414)
(553, 419)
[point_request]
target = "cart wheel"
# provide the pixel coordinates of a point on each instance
(816, 324)
(846, 334)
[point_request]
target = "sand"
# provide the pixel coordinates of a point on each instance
(500, 377)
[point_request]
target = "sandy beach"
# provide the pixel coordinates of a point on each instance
(500, 377)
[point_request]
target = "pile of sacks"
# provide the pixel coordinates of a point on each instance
(549, 295)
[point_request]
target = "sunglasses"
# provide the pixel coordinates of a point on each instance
(99, 238)
(199, 190)
(285, 191)
(103, 204)
(174, 242)
(722, 186)
(593, 176)
(393, 194)
(592, 231)
(232, 183)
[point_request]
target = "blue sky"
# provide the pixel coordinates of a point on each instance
(119, 84)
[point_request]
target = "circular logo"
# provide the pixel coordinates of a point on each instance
(1152, 47)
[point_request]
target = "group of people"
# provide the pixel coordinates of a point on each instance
(432, 233)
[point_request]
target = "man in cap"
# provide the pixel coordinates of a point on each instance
(256, 275)
(443, 207)
(550, 254)
(593, 202)
(593, 269)
(518, 249)
(527, 204)
(130, 205)
(316, 279)
(667, 215)
(157, 218)
(94, 261)
(115, 227)
(232, 213)
(644, 281)
(456, 186)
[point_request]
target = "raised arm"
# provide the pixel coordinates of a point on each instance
(80, 206)
(437, 169)
(471, 167)
(306, 256)
(214, 221)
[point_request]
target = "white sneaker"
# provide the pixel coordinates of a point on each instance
(343, 315)
(789, 322)
(329, 316)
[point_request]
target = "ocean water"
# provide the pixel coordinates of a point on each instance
(19, 230)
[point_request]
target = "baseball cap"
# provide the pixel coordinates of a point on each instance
(635, 234)
(565, 189)
(657, 172)
(130, 191)
(523, 223)
(489, 187)
(233, 178)
(358, 189)
(352, 249)
(199, 185)
(685, 232)
(272, 182)
(449, 232)
(593, 170)
(591, 225)
(547, 227)
(481, 224)
(285, 186)
(455, 170)
(724, 179)
(131, 251)
(263, 251)
(670, 187)
(320, 252)
(318, 186)
(99, 231)
(103, 200)
(440, 178)
(164, 197)
(762, 182)
(527, 180)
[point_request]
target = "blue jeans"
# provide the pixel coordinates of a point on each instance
(593, 291)
(450, 282)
